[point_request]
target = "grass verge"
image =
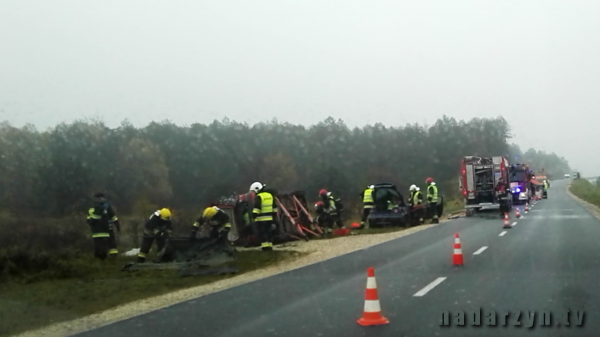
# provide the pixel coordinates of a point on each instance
(25, 305)
(586, 191)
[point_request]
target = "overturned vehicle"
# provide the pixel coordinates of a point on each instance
(294, 221)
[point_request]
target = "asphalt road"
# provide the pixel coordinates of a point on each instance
(549, 260)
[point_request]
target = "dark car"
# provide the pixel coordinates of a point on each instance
(390, 207)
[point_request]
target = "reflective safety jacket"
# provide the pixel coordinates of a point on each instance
(367, 196)
(265, 208)
(329, 204)
(416, 198)
(99, 219)
(432, 193)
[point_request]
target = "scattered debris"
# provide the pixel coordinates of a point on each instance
(187, 254)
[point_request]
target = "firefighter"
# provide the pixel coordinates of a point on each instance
(219, 221)
(415, 200)
(331, 207)
(324, 219)
(102, 221)
(432, 199)
(264, 213)
(158, 227)
(368, 204)
(501, 190)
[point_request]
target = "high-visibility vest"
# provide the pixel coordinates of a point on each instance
(416, 200)
(432, 192)
(368, 198)
(545, 185)
(265, 212)
(331, 209)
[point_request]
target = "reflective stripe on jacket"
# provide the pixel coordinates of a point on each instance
(265, 209)
(432, 193)
(368, 198)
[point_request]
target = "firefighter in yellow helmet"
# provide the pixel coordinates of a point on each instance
(158, 227)
(219, 222)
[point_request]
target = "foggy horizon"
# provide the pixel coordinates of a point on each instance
(390, 62)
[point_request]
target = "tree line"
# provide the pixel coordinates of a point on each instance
(54, 173)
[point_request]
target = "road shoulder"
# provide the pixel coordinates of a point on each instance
(593, 209)
(318, 251)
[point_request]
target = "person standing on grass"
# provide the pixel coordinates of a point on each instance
(102, 221)
(264, 213)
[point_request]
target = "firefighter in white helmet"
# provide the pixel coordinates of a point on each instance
(264, 213)
(432, 198)
(415, 202)
(368, 204)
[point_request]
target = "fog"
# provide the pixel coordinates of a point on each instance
(395, 62)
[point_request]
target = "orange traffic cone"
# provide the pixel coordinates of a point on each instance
(517, 214)
(506, 222)
(526, 207)
(372, 311)
(458, 255)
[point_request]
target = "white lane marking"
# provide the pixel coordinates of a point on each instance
(556, 216)
(514, 224)
(430, 286)
(480, 250)
(502, 234)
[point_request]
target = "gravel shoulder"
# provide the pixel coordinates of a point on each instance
(316, 251)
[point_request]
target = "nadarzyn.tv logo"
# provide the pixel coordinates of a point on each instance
(516, 318)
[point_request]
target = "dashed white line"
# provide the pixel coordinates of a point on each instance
(480, 250)
(502, 234)
(430, 286)
(514, 224)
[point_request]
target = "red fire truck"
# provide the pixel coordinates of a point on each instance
(478, 181)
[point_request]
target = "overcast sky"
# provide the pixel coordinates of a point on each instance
(535, 62)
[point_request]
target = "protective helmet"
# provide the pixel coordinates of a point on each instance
(256, 186)
(372, 186)
(429, 180)
(209, 212)
(165, 214)
(413, 187)
(319, 205)
(323, 192)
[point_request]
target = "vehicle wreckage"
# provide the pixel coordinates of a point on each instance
(192, 257)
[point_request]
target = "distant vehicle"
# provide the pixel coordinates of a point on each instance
(478, 180)
(567, 176)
